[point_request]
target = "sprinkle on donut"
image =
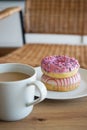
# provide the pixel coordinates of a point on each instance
(59, 64)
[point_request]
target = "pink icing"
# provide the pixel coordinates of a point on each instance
(59, 64)
(61, 82)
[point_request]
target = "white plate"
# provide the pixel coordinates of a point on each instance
(81, 91)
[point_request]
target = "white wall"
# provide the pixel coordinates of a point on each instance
(8, 3)
(10, 27)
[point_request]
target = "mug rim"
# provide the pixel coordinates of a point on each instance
(18, 81)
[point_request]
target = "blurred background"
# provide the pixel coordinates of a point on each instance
(43, 21)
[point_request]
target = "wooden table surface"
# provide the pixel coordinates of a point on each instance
(51, 114)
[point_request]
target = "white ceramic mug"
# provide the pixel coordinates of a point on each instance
(17, 97)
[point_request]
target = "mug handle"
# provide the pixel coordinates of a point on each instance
(42, 90)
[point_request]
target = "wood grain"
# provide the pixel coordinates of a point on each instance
(6, 50)
(9, 11)
(53, 115)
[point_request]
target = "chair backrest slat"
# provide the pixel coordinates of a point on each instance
(56, 16)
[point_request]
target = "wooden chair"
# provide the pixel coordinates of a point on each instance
(52, 17)
(56, 17)
(9, 11)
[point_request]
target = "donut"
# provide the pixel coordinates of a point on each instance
(63, 84)
(59, 66)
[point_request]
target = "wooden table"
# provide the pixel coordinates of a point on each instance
(50, 114)
(53, 115)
